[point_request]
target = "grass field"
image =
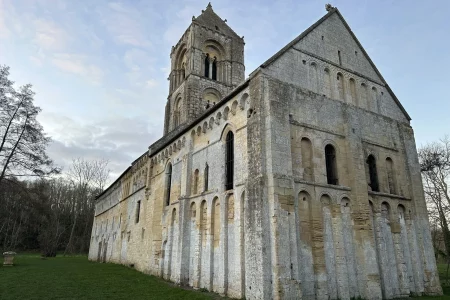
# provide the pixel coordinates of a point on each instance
(76, 278)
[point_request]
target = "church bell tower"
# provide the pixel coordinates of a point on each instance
(206, 64)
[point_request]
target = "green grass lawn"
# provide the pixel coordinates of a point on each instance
(76, 278)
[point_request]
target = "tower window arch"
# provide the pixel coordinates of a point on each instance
(177, 113)
(214, 69)
(373, 175)
(183, 70)
(168, 183)
(229, 160)
(207, 65)
(330, 163)
(214, 53)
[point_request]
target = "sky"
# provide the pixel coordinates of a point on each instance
(99, 68)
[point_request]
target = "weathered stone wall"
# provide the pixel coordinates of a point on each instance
(344, 240)
(198, 238)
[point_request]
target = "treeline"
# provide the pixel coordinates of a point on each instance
(51, 214)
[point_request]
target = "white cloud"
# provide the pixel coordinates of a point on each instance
(151, 83)
(118, 139)
(49, 35)
(125, 24)
(36, 60)
(75, 64)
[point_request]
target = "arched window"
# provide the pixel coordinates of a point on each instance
(313, 81)
(195, 187)
(363, 96)
(168, 183)
(207, 65)
(390, 176)
(373, 175)
(374, 104)
(214, 69)
(353, 91)
(330, 162)
(340, 86)
(327, 83)
(229, 160)
(205, 186)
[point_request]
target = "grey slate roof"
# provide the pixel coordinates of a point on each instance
(210, 19)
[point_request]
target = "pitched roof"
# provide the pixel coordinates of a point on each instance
(210, 19)
(332, 11)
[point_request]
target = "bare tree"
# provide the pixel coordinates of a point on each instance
(88, 179)
(435, 167)
(22, 139)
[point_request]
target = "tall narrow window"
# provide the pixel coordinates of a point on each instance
(168, 183)
(340, 59)
(214, 69)
(229, 161)
(390, 176)
(207, 65)
(138, 210)
(373, 175)
(330, 162)
(195, 187)
(205, 186)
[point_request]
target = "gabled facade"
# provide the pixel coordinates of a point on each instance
(301, 182)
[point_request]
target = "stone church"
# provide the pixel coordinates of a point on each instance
(300, 182)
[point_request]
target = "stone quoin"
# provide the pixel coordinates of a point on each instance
(300, 182)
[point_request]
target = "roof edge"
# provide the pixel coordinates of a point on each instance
(112, 184)
(374, 67)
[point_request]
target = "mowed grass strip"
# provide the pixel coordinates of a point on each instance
(77, 278)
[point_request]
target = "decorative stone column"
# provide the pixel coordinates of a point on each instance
(8, 258)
